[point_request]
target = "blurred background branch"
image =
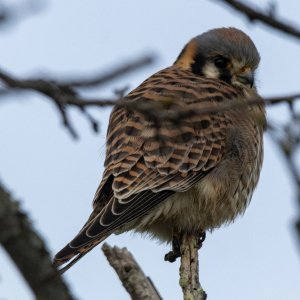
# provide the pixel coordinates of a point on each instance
(28, 251)
(268, 17)
(287, 138)
(66, 92)
(11, 14)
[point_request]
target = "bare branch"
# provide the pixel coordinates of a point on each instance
(267, 18)
(189, 269)
(59, 92)
(287, 139)
(65, 96)
(130, 273)
(104, 77)
(10, 14)
(165, 109)
(28, 251)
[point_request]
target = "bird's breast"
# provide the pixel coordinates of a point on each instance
(216, 199)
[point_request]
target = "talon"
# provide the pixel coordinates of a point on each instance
(201, 239)
(175, 252)
(171, 256)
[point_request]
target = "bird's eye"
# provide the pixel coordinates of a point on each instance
(243, 69)
(221, 62)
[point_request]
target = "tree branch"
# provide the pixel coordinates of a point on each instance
(60, 91)
(64, 95)
(130, 273)
(105, 77)
(287, 139)
(28, 251)
(189, 269)
(266, 18)
(10, 14)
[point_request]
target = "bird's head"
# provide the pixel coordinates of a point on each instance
(223, 53)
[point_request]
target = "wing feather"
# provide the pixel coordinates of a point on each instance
(145, 163)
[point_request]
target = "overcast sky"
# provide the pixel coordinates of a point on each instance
(55, 177)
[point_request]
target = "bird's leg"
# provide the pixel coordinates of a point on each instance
(176, 242)
(175, 252)
(201, 239)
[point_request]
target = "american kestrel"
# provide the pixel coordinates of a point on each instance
(165, 177)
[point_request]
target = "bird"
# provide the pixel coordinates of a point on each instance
(184, 151)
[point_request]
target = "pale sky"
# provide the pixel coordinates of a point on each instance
(55, 177)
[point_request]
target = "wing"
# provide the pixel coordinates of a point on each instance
(147, 162)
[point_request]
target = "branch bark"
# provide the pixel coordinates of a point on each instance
(137, 284)
(189, 269)
(28, 251)
(266, 18)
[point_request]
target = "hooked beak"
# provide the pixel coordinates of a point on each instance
(247, 79)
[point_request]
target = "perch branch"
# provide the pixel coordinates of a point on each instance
(189, 269)
(28, 251)
(137, 284)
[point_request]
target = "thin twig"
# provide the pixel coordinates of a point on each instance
(108, 76)
(28, 251)
(137, 284)
(266, 18)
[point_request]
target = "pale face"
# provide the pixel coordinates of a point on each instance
(233, 71)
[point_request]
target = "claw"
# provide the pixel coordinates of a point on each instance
(175, 252)
(201, 239)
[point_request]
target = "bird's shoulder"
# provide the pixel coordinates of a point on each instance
(183, 85)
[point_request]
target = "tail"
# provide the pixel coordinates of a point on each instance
(84, 242)
(74, 251)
